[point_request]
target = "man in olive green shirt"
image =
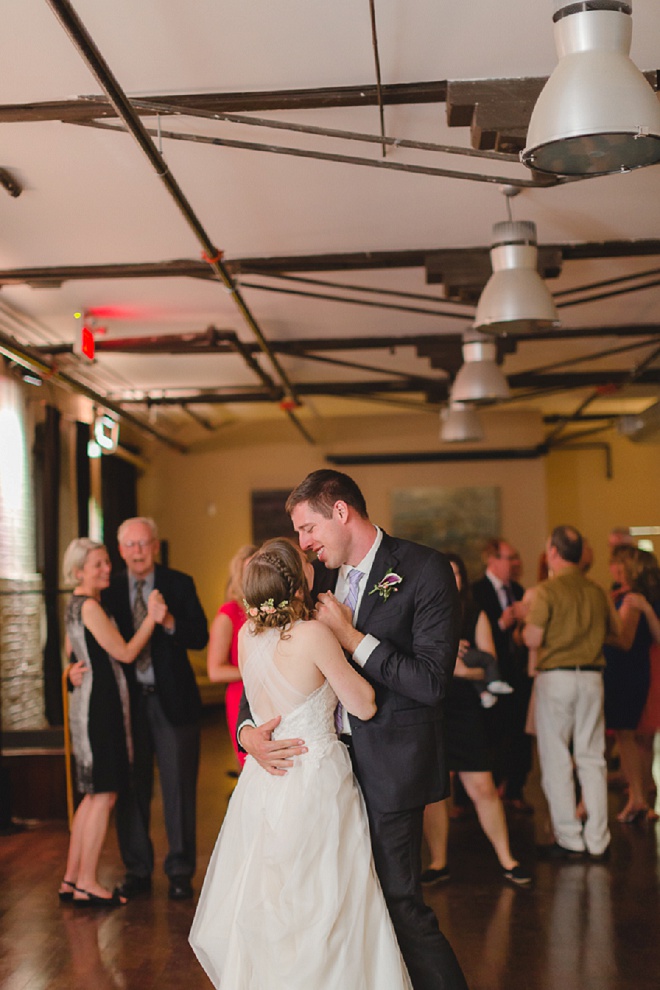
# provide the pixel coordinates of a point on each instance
(568, 622)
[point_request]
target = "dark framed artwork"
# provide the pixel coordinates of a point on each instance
(269, 516)
(456, 519)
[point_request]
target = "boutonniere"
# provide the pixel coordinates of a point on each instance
(387, 585)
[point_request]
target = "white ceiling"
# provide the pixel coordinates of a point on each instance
(91, 197)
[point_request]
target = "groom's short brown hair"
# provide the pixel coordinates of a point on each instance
(322, 489)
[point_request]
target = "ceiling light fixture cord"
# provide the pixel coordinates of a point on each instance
(379, 88)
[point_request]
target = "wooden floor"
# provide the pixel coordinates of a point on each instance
(581, 927)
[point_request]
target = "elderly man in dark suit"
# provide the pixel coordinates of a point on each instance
(165, 710)
(393, 607)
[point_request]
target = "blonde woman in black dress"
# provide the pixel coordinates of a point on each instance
(99, 715)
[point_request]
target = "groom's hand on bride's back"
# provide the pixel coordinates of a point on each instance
(274, 755)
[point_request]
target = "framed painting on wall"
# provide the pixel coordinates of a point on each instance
(269, 516)
(456, 519)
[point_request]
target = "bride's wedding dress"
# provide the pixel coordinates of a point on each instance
(291, 900)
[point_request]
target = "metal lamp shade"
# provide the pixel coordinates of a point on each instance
(479, 379)
(460, 424)
(597, 113)
(515, 298)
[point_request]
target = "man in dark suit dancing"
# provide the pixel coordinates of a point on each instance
(165, 710)
(402, 598)
(499, 597)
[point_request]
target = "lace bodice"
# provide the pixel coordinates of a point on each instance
(314, 719)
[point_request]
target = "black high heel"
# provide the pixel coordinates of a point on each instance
(93, 900)
(66, 896)
(630, 817)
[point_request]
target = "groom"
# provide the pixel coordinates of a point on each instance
(400, 626)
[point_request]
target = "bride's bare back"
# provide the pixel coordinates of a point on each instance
(309, 655)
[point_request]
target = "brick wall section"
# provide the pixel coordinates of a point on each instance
(21, 609)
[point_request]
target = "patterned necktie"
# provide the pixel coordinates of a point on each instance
(353, 583)
(354, 576)
(143, 659)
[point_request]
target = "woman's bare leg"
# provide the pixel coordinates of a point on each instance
(436, 831)
(490, 810)
(632, 767)
(93, 837)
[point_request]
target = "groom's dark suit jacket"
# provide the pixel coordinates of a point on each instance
(175, 680)
(399, 755)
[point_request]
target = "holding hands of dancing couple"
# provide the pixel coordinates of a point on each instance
(339, 620)
(157, 610)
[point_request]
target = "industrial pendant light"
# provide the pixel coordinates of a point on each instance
(479, 379)
(515, 298)
(597, 113)
(459, 423)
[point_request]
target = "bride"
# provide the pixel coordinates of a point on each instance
(291, 900)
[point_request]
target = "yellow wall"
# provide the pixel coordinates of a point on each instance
(202, 500)
(579, 492)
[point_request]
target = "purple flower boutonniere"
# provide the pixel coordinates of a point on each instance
(387, 585)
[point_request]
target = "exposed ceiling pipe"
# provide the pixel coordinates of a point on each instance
(277, 149)
(369, 289)
(625, 291)
(586, 358)
(379, 87)
(327, 297)
(179, 110)
(32, 359)
(439, 456)
(97, 64)
(605, 283)
(634, 375)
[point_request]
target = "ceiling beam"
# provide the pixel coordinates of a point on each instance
(443, 350)
(497, 111)
(86, 108)
(48, 277)
(434, 391)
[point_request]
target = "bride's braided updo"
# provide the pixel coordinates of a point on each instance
(275, 587)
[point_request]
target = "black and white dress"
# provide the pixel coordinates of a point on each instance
(99, 716)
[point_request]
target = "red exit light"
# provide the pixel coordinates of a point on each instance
(84, 346)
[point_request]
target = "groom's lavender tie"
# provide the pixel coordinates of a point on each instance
(351, 599)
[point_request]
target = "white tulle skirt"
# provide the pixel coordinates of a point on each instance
(291, 900)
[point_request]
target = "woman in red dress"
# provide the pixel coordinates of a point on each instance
(222, 653)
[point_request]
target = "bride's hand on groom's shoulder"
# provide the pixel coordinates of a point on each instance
(274, 755)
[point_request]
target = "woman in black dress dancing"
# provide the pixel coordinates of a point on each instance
(467, 750)
(99, 714)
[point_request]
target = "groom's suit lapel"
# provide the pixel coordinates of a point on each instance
(386, 559)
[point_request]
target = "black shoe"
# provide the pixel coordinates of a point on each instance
(180, 889)
(435, 876)
(93, 900)
(599, 857)
(66, 895)
(519, 805)
(132, 886)
(517, 875)
(557, 852)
